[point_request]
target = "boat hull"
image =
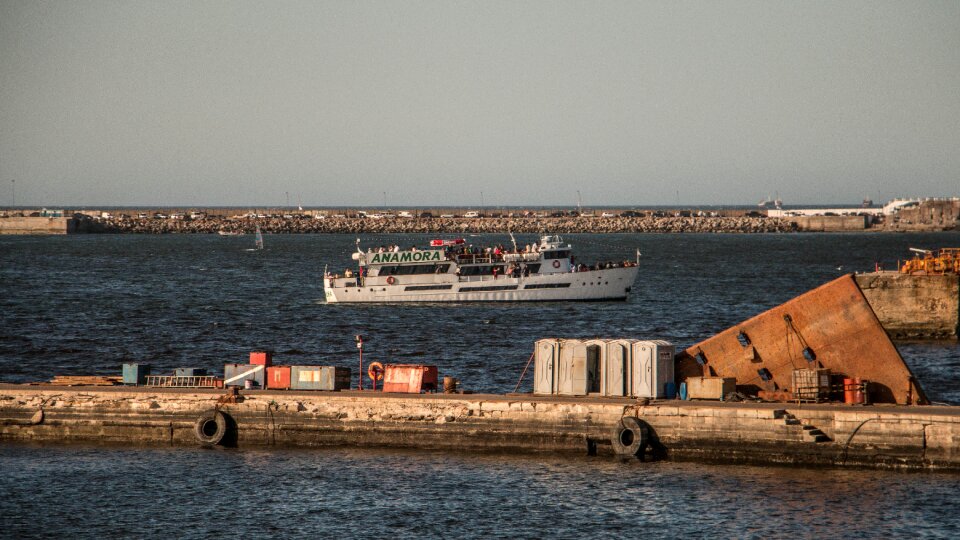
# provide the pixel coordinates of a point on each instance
(592, 285)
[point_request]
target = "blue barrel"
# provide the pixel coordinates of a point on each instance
(683, 391)
(670, 390)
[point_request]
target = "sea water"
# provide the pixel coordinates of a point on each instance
(83, 305)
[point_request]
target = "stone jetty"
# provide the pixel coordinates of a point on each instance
(353, 225)
(881, 437)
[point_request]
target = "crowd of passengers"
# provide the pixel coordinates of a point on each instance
(493, 253)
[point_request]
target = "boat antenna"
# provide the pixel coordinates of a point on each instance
(638, 256)
(358, 246)
(514, 240)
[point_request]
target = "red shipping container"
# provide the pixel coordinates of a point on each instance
(261, 358)
(278, 377)
(409, 378)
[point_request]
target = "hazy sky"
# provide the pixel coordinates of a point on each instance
(336, 103)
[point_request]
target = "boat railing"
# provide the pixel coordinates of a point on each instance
(473, 259)
(521, 257)
(485, 277)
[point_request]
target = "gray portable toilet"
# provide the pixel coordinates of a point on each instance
(652, 368)
(565, 366)
(545, 366)
(583, 360)
(616, 367)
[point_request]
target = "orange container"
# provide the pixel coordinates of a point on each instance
(853, 393)
(261, 358)
(409, 378)
(278, 377)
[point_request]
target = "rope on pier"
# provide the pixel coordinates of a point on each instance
(534, 353)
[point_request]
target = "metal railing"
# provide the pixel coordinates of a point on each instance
(173, 381)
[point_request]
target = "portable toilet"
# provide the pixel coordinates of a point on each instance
(579, 367)
(588, 363)
(616, 367)
(652, 368)
(564, 383)
(545, 366)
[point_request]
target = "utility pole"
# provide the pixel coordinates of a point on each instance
(384, 200)
(14, 182)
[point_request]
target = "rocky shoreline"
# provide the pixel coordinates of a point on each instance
(563, 225)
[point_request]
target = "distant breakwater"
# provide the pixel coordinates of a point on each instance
(279, 225)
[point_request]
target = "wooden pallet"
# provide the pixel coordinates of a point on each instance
(84, 380)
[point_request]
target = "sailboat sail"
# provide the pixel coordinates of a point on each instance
(259, 238)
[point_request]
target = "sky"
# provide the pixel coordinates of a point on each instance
(495, 103)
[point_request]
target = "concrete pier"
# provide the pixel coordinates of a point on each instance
(898, 437)
(914, 307)
(37, 225)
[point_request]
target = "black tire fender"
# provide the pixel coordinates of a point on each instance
(211, 427)
(630, 437)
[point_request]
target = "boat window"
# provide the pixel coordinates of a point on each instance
(533, 268)
(481, 270)
(411, 269)
(559, 254)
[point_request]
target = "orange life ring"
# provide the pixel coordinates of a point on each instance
(556, 263)
(375, 371)
(391, 280)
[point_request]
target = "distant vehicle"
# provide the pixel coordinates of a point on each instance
(375, 216)
(319, 216)
(197, 215)
(404, 214)
(447, 215)
(631, 213)
(288, 216)
(426, 215)
(160, 216)
(608, 214)
(142, 215)
(472, 214)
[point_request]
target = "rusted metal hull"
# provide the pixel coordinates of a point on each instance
(830, 327)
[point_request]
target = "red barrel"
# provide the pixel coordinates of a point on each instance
(853, 393)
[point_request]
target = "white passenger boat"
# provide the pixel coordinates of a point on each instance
(450, 271)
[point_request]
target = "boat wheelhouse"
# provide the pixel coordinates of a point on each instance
(451, 271)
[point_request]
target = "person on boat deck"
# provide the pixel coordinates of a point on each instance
(348, 273)
(396, 249)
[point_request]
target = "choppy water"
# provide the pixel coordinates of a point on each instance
(86, 304)
(94, 492)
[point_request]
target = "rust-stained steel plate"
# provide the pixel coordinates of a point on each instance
(833, 323)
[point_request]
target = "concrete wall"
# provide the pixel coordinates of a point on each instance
(877, 437)
(911, 307)
(830, 223)
(34, 225)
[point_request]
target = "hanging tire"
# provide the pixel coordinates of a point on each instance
(211, 428)
(630, 437)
